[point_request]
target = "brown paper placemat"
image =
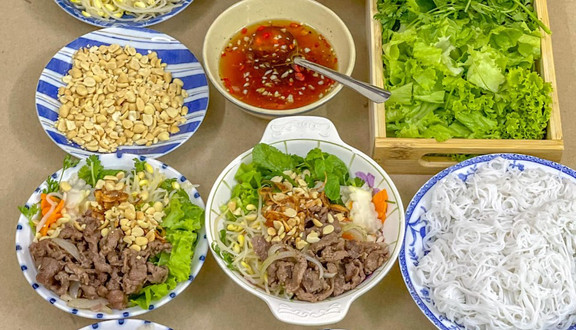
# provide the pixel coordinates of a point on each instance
(32, 31)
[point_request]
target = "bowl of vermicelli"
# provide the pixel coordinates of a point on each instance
(111, 236)
(490, 244)
(135, 13)
(304, 221)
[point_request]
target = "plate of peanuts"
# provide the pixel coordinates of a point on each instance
(111, 236)
(135, 13)
(122, 90)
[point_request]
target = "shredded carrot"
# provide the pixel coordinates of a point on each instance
(56, 214)
(380, 201)
(45, 204)
(346, 235)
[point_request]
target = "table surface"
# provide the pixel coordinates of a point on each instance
(32, 31)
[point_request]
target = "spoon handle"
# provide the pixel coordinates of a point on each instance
(372, 92)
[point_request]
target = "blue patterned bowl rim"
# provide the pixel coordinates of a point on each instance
(123, 324)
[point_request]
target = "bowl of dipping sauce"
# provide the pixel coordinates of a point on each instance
(248, 54)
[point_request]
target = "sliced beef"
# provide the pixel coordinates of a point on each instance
(107, 267)
(312, 281)
(325, 241)
(156, 274)
(346, 264)
(261, 247)
(109, 243)
(158, 246)
(374, 260)
(47, 248)
(47, 271)
(297, 275)
(334, 252)
(101, 265)
(63, 280)
(115, 281)
(102, 291)
(340, 285)
(82, 274)
(284, 272)
(135, 271)
(70, 232)
(354, 249)
(89, 291)
(117, 299)
(354, 273)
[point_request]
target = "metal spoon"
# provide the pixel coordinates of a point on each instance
(372, 92)
(278, 46)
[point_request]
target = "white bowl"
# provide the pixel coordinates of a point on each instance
(24, 237)
(298, 135)
(413, 246)
(248, 12)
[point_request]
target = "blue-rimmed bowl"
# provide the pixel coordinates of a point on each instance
(24, 237)
(413, 247)
(124, 21)
(129, 324)
(180, 62)
(298, 135)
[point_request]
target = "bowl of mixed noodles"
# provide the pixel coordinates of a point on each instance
(111, 236)
(490, 244)
(132, 13)
(304, 221)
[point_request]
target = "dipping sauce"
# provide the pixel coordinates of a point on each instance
(267, 84)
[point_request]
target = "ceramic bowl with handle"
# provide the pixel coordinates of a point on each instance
(298, 135)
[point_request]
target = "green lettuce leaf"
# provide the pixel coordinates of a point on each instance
(183, 219)
(463, 69)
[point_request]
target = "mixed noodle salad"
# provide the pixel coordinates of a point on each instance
(108, 238)
(301, 227)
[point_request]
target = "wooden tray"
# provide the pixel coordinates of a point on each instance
(414, 156)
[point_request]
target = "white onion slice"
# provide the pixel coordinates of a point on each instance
(86, 303)
(73, 289)
(69, 247)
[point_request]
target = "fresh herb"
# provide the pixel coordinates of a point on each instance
(463, 69)
(329, 169)
(53, 185)
(30, 213)
(167, 184)
(269, 162)
(273, 160)
(94, 171)
(69, 162)
(139, 165)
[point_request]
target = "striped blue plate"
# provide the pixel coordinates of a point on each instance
(181, 63)
(124, 21)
